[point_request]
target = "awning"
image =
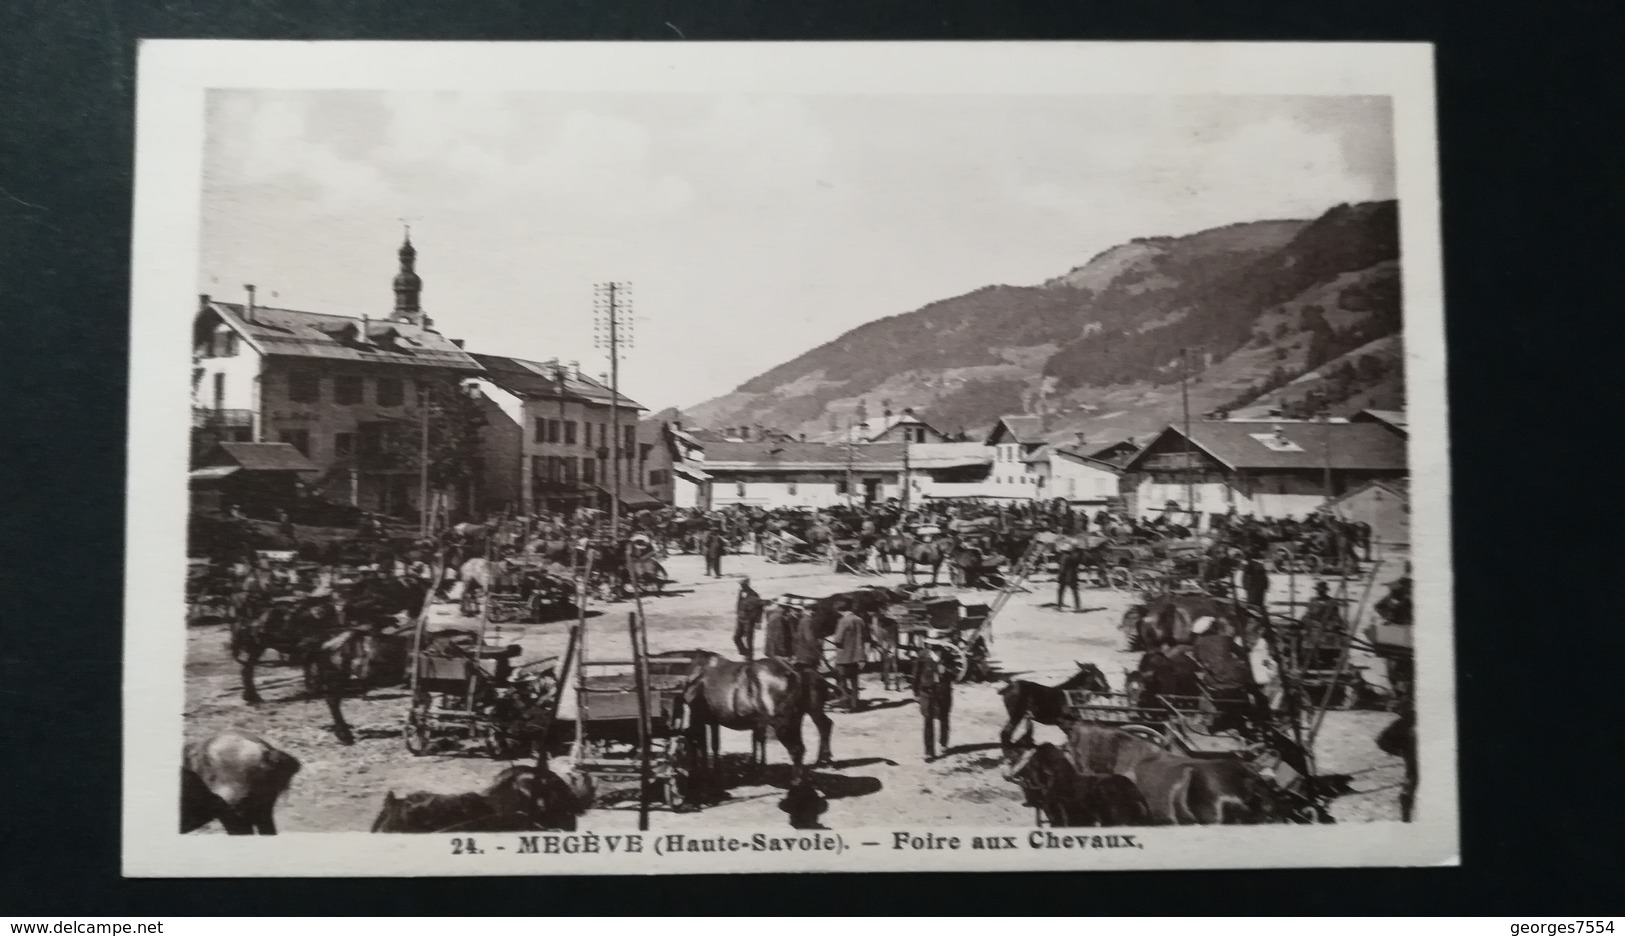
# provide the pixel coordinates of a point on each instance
(213, 473)
(692, 474)
(633, 496)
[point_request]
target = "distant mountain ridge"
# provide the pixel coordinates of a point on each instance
(1098, 348)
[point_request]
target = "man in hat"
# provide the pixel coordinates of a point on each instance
(850, 652)
(778, 629)
(1255, 581)
(714, 548)
(1067, 578)
(747, 614)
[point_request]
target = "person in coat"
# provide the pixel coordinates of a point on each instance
(850, 653)
(1255, 581)
(1067, 578)
(747, 614)
(713, 554)
(778, 631)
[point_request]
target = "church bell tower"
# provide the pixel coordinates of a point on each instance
(408, 287)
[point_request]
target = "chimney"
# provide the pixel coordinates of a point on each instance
(1080, 439)
(366, 329)
(908, 411)
(202, 300)
(677, 423)
(457, 341)
(248, 310)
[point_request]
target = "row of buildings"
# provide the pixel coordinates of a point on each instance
(338, 402)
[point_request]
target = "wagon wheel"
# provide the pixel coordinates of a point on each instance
(1121, 578)
(416, 733)
(955, 663)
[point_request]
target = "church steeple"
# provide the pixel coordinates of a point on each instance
(408, 286)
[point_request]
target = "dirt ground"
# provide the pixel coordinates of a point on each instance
(880, 776)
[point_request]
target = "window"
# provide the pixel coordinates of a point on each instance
(657, 477)
(589, 471)
(304, 387)
(840, 487)
(630, 442)
(570, 469)
(343, 446)
(569, 432)
(375, 439)
(538, 470)
(347, 390)
(790, 488)
(390, 391)
(219, 391)
(739, 489)
(553, 431)
(541, 431)
(298, 438)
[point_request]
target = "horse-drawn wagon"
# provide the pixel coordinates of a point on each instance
(468, 697)
(526, 588)
(947, 628)
(608, 744)
(781, 546)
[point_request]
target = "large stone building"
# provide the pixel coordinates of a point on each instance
(548, 439)
(343, 390)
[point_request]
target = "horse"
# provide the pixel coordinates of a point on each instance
(1061, 796)
(234, 778)
(1178, 790)
(289, 625)
(932, 554)
(522, 799)
(356, 656)
(1161, 675)
(887, 547)
(1026, 702)
(755, 696)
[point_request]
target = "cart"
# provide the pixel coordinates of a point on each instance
(784, 547)
(469, 698)
(608, 738)
(950, 630)
(527, 588)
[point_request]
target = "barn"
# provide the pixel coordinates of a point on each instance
(1385, 505)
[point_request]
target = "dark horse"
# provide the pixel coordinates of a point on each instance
(1178, 790)
(755, 696)
(366, 655)
(1062, 796)
(521, 799)
(292, 626)
(932, 554)
(1026, 702)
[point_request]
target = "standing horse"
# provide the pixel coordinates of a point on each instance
(1026, 702)
(289, 625)
(755, 696)
(1178, 790)
(932, 554)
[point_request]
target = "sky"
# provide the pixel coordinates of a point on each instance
(751, 227)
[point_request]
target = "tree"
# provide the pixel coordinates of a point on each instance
(454, 421)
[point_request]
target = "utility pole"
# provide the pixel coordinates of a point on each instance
(613, 331)
(849, 456)
(907, 483)
(1190, 461)
(423, 463)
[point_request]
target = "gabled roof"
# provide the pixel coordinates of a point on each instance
(1398, 489)
(1394, 419)
(261, 456)
(1037, 456)
(293, 333)
(538, 380)
(1254, 445)
(1027, 430)
(875, 428)
(1079, 455)
(721, 456)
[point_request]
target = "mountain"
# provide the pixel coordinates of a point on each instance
(1255, 305)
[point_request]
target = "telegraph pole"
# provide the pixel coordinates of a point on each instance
(849, 456)
(613, 332)
(1185, 404)
(423, 463)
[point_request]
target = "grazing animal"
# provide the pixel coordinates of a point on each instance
(1062, 796)
(521, 799)
(1399, 740)
(1026, 702)
(234, 778)
(755, 696)
(1178, 790)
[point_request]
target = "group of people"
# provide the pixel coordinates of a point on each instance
(790, 632)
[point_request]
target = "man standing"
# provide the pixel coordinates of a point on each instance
(849, 653)
(713, 553)
(748, 613)
(1067, 579)
(777, 631)
(1255, 581)
(934, 692)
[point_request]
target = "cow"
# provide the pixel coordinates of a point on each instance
(234, 778)
(1062, 796)
(1027, 702)
(522, 798)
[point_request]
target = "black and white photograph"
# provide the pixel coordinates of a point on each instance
(842, 457)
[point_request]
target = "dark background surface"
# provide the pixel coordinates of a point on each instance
(1530, 113)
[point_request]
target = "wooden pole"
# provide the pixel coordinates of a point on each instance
(583, 576)
(423, 463)
(637, 632)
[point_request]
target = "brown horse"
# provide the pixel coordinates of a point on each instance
(1026, 702)
(932, 554)
(234, 778)
(755, 696)
(1178, 790)
(291, 626)
(521, 799)
(355, 658)
(1062, 797)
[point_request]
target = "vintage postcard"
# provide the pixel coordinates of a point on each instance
(672, 458)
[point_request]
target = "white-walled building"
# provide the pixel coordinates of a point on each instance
(801, 474)
(1014, 439)
(344, 391)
